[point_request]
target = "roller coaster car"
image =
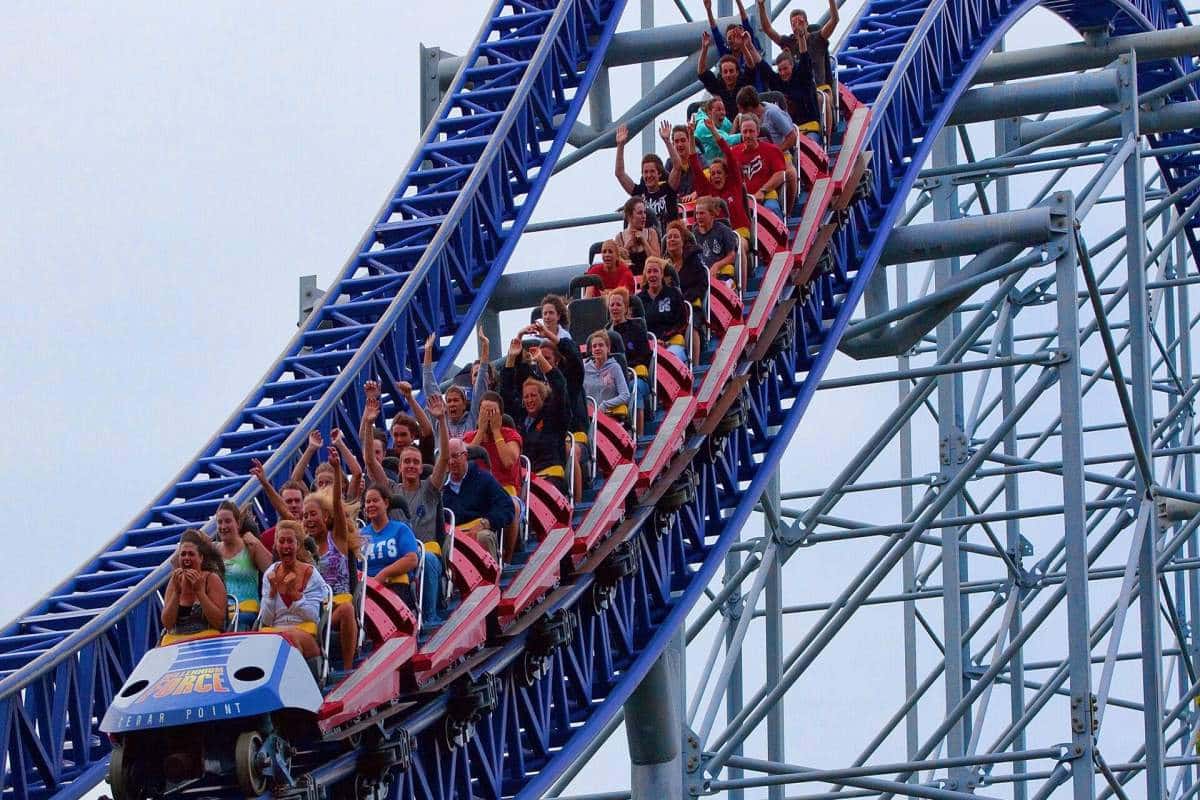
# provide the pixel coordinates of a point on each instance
(229, 704)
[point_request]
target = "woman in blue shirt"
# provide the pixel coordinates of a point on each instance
(390, 545)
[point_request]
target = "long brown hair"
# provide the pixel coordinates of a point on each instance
(210, 559)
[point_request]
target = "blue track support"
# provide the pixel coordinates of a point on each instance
(428, 262)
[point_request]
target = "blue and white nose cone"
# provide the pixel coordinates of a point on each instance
(210, 680)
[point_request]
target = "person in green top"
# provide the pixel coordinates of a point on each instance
(245, 557)
(714, 108)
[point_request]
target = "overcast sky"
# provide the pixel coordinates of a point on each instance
(170, 170)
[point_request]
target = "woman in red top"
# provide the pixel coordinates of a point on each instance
(724, 180)
(612, 270)
(503, 446)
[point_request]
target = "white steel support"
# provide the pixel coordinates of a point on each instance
(952, 448)
(1074, 527)
(1143, 409)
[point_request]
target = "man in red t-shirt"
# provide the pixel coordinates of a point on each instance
(762, 164)
(503, 446)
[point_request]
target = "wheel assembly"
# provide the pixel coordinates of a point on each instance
(125, 777)
(251, 763)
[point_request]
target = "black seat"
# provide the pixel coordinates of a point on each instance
(594, 252)
(477, 453)
(587, 314)
(616, 348)
(671, 277)
(693, 107)
(635, 307)
(774, 98)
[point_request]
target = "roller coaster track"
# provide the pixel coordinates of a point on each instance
(428, 263)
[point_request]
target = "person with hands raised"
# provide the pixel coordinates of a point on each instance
(736, 36)
(194, 602)
(662, 204)
(413, 429)
(679, 173)
(815, 46)
(328, 521)
(729, 77)
(420, 498)
(288, 501)
(724, 180)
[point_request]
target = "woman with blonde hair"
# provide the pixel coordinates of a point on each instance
(328, 520)
(292, 591)
(612, 269)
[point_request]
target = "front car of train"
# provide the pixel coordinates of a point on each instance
(225, 705)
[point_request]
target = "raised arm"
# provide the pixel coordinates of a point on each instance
(702, 60)
(315, 440)
(753, 57)
(366, 433)
(831, 23)
(764, 22)
(405, 389)
(619, 166)
(356, 473)
(273, 496)
(481, 376)
(428, 382)
(437, 407)
(341, 529)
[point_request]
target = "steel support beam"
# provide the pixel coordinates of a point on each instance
(652, 729)
(963, 236)
(1172, 117)
(1035, 97)
(1038, 61)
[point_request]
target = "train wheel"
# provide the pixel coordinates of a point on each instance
(124, 776)
(251, 776)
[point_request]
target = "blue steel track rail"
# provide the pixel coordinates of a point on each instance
(446, 228)
(909, 60)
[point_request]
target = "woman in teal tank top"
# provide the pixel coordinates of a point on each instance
(245, 557)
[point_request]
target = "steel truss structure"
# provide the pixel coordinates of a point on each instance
(1056, 311)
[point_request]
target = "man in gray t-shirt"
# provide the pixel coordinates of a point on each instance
(422, 502)
(421, 496)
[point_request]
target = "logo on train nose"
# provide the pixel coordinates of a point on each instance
(196, 680)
